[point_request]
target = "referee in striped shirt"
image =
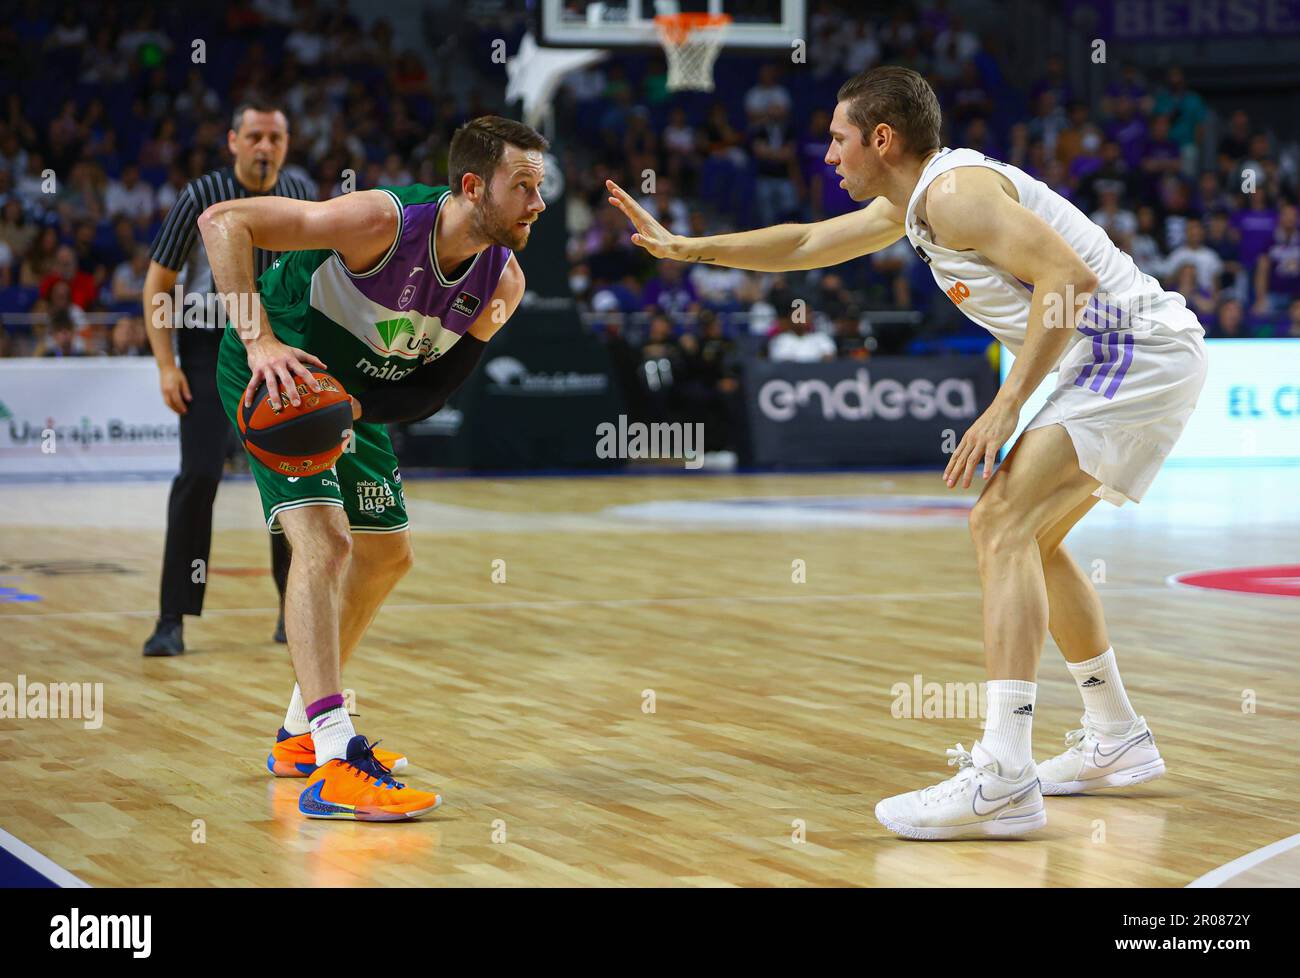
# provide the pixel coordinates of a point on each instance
(259, 141)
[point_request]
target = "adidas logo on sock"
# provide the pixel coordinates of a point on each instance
(1092, 681)
(1025, 711)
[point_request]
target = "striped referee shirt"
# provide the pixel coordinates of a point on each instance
(179, 245)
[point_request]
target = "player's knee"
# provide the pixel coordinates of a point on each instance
(400, 558)
(325, 547)
(994, 526)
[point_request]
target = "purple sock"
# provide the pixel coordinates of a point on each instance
(324, 705)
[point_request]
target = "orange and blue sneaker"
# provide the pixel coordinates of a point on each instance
(362, 789)
(295, 756)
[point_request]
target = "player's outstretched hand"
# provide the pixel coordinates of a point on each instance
(279, 366)
(650, 234)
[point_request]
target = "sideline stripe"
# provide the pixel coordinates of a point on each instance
(1217, 877)
(31, 869)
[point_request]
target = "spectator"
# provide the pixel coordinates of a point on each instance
(1201, 299)
(1048, 122)
(797, 342)
(772, 141)
(1277, 271)
(667, 208)
(766, 95)
(895, 265)
(1183, 107)
(1113, 171)
(1235, 141)
(1229, 320)
(30, 185)
(39, 260)
(81, 286)
(970, 97)
(1129, 131)
(662, 363)
(1053, 82)
(1110, 217)
(16, 231)
(61, 340)
(128, 338)
(720, 288)
(670, 291)
(1209, 193)
(681, 153)
(725, 158)
(1203, 258)
(128, 277)
(130, 197)
(1224, 240)
(1255, 225)
(60, 301)
(1161, 156)
(709, 388)
(640, 144)
(1147, 247)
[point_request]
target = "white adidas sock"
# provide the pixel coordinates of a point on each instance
(295, 721)
(1009, 727)
(330, 732)
(1105, 703)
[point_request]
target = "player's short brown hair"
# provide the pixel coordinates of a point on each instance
(901, 99)
(478, 145)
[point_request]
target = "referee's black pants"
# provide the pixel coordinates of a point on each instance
(206, 435)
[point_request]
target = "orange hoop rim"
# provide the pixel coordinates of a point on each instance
(677, 28)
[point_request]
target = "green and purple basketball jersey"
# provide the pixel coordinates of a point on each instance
(370, 328)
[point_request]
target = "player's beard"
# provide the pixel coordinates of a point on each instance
(495, 228)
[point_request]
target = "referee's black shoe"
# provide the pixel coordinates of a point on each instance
(166, 638)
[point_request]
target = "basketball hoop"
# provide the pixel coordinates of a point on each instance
(691, 43)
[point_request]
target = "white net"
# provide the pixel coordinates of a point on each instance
(691, 43)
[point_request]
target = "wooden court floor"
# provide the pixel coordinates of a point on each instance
(651, 697)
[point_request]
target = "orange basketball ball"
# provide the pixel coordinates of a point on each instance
(303, 440)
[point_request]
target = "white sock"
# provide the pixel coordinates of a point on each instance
(295, 721)
(1105, 704)
(1009, 727)
(330, 732)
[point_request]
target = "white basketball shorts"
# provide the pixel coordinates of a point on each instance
(1125, 397)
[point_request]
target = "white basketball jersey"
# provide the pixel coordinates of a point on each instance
(1127, 299)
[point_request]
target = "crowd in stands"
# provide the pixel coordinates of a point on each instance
(1203, 203)
(106, 117)
(93, 157)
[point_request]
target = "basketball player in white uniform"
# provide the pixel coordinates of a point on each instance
(1029, 267)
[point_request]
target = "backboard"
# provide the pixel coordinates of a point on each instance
(630, 23)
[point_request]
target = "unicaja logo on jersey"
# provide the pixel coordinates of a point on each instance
(397, 337)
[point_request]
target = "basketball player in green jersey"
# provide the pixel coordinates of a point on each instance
(395, 292)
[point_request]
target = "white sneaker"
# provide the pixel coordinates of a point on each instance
(978, 801)
(1101, 760)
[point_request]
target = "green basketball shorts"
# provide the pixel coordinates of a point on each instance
(365, 480)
